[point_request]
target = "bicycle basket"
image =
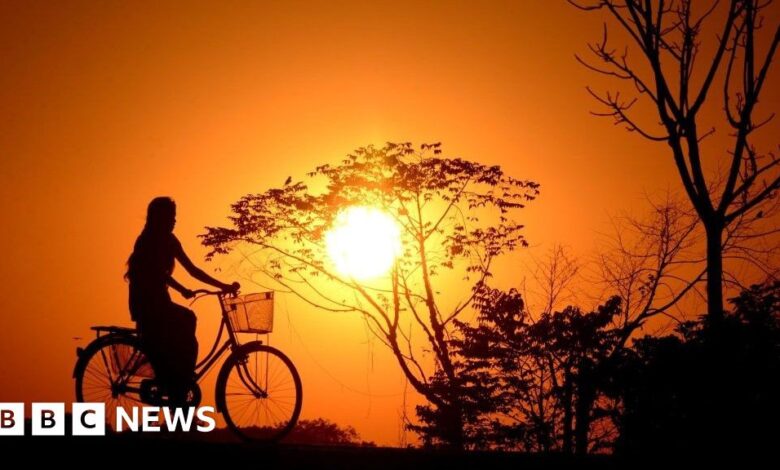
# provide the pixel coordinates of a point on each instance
(251, 313)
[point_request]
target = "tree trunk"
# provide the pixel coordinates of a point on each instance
(568, 418)
(714, 231)
(586, 394)
(453, 427)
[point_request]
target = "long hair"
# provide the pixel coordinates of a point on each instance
(159, 223)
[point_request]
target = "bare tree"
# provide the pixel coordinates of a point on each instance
(453, 214)
(553, 276)
(651, 262)
(667, 35)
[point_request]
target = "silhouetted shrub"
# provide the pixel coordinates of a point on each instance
(710, 389)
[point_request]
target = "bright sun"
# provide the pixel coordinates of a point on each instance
(363, 242)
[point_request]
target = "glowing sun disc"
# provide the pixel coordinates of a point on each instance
(363, 242)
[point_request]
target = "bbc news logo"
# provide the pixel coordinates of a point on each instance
(89, 419)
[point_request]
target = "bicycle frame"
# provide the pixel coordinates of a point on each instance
(201, 368)
(207, 362)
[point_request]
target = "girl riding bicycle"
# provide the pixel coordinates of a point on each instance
(166, 329)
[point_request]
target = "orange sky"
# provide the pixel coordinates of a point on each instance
(103, 107)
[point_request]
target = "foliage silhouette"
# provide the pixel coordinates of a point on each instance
(567, 382)
(696, 394)
(320, 431)
(317, 431)
(535, 384)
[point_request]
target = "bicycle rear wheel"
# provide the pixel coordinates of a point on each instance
(111, 370)
(259, 393)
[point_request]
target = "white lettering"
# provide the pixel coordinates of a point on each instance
(122, 416)
(209, 421)
(178, 417)
(151, 418)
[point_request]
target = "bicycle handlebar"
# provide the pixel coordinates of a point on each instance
(200, 293)
(209, 292)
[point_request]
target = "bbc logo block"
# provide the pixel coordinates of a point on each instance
(89, 419)
(48, 419)
(11, 419)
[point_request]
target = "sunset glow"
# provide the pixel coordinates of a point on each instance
(280, 131)
(363, 242)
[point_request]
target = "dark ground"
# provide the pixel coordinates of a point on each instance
(149, 452)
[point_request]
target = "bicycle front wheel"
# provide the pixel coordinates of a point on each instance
(259, 393)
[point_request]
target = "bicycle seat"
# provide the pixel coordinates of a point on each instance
(114, 329)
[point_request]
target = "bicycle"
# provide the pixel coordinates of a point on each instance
(258, 390)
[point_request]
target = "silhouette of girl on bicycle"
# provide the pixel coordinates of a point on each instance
(166, 329)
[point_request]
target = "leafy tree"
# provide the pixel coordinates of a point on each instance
(487, 373)
(455, 216)
(534, 385)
